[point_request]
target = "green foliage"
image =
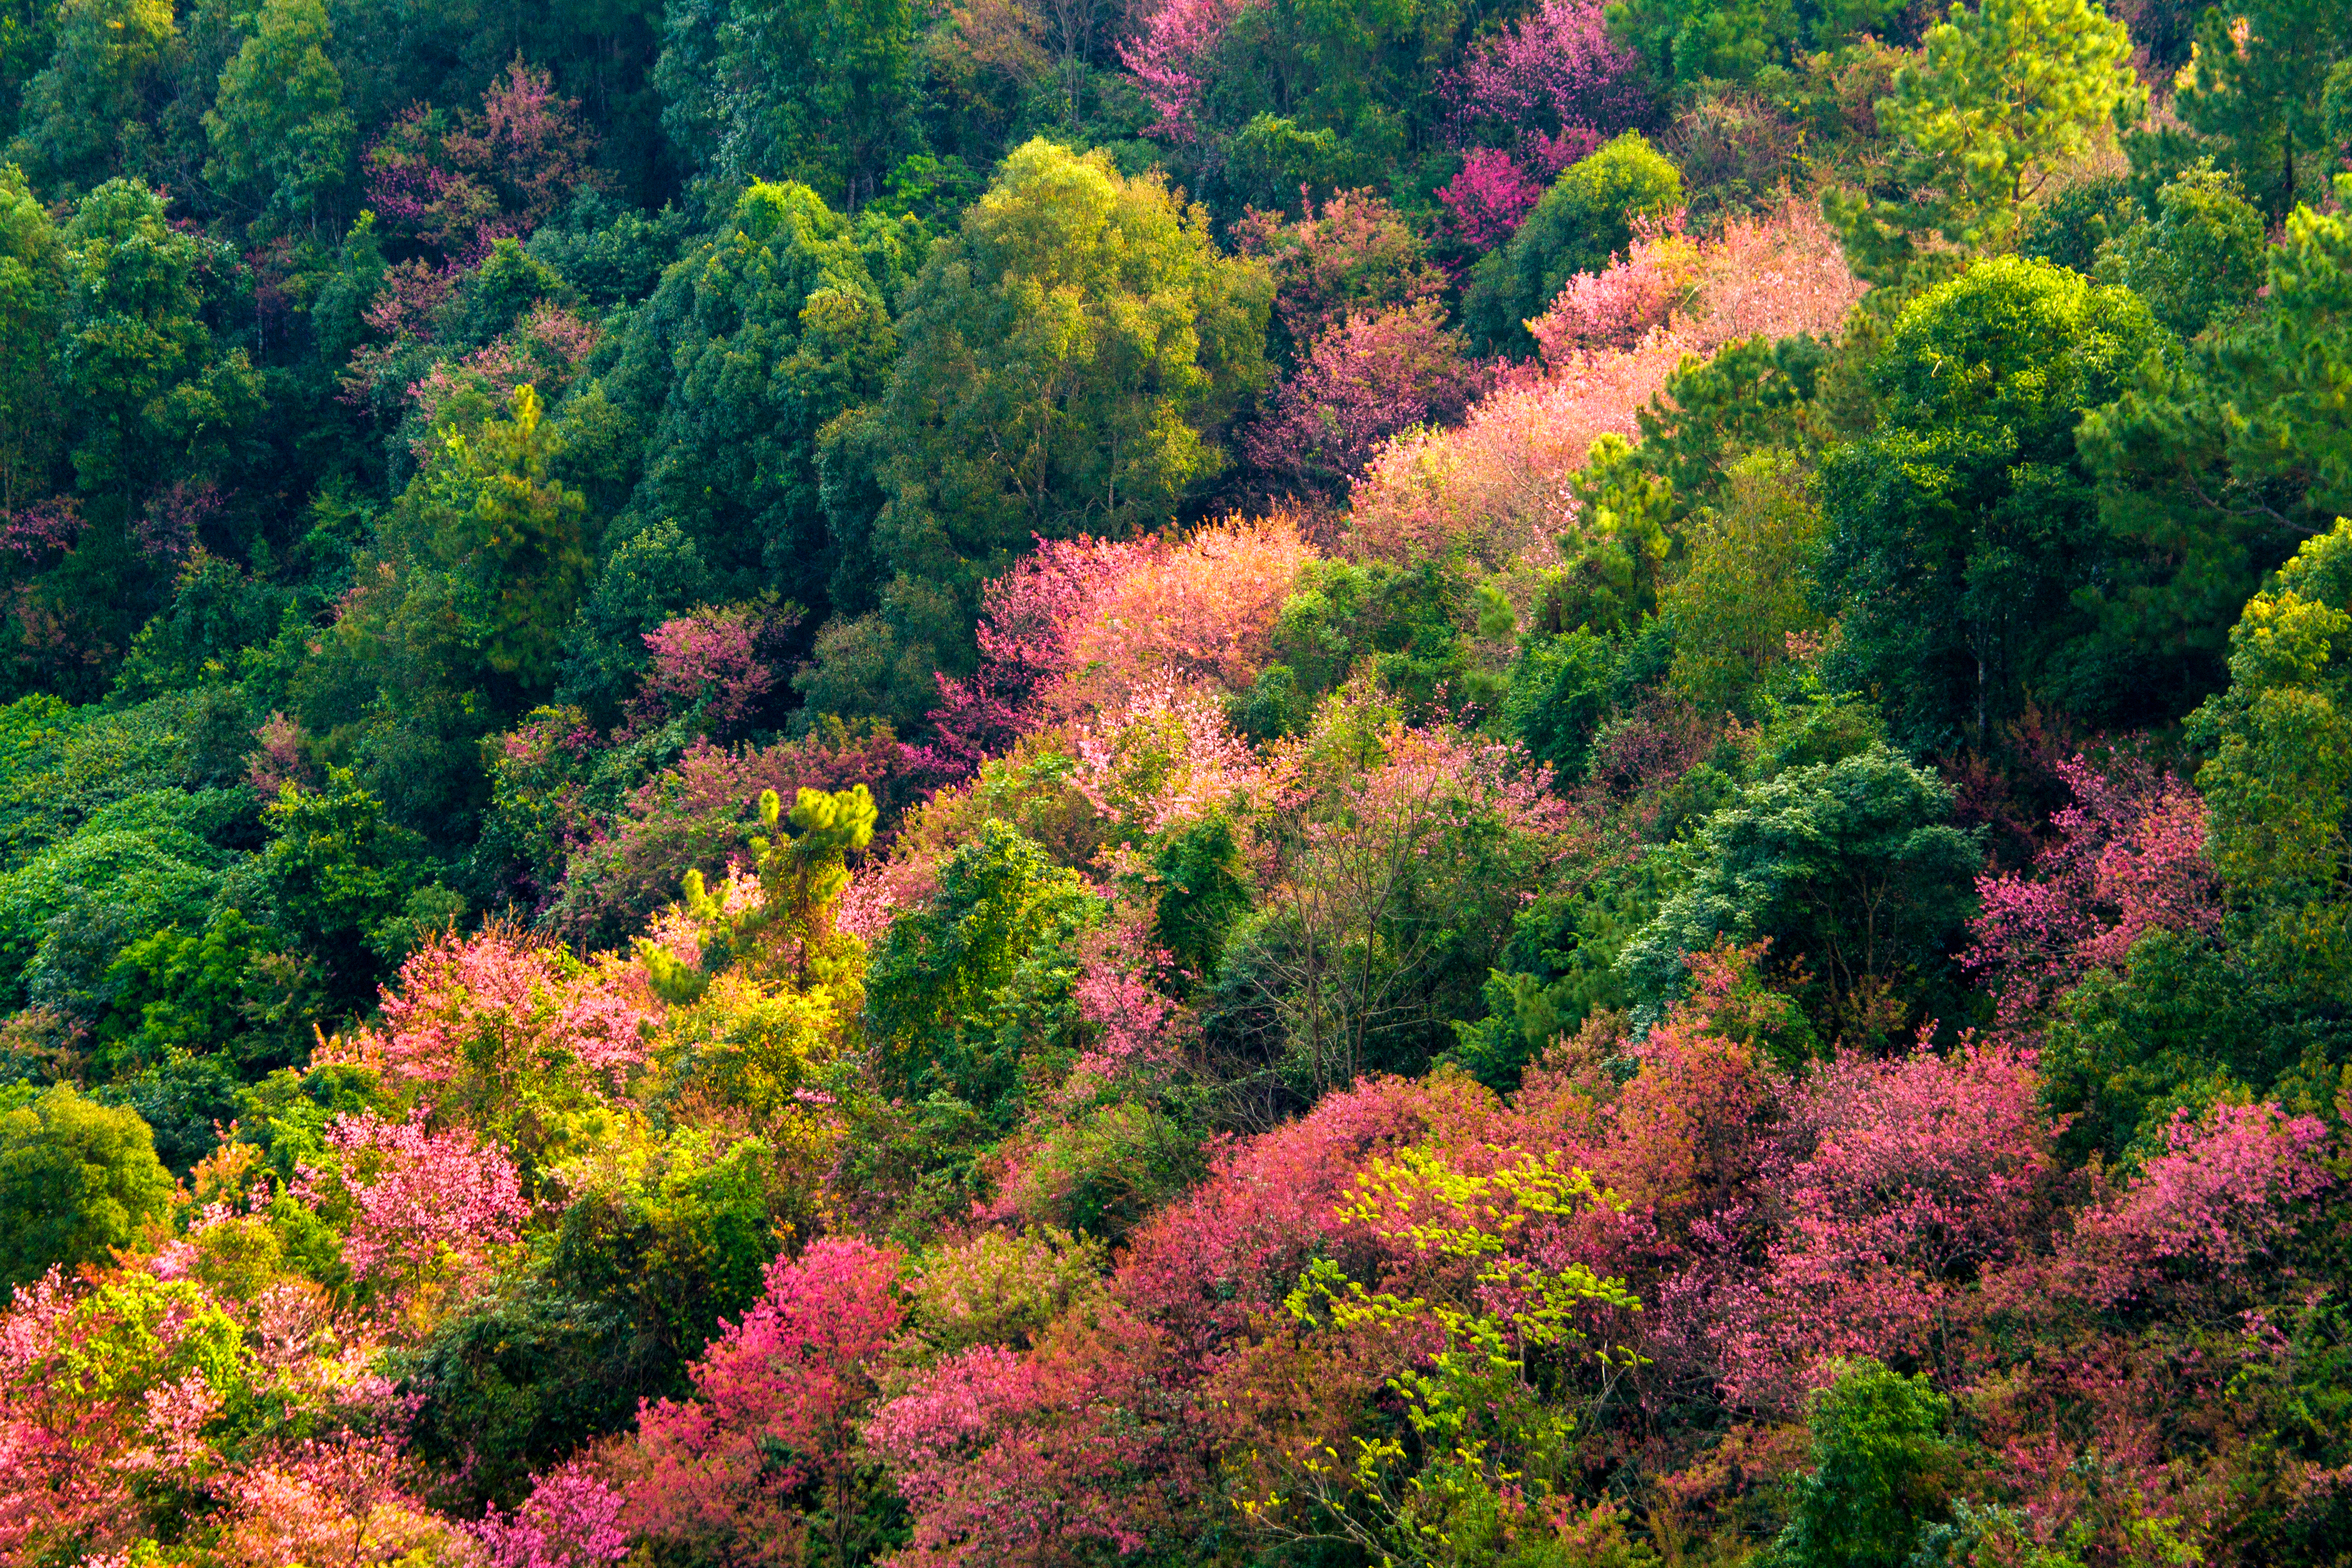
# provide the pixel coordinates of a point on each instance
(1203, 889)
(1747, 585)
(2199, 261)
(1853, 870)
(1689, 41)
(79, 113)
(32, 283)
(2255, 96)
(280, 135)
(1962, 530)
(2004, 99)
(2279, 786)
(818, 92)
(1881, 1471)
(337, 873)
(760, 334)
(76, 1178)
(1584, 219)
(957, 988)
(1069, 358)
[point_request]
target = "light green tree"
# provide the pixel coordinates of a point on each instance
(110, 55)
(280, 136)
(2003, 99)
(1747, 583)
(76, 1178)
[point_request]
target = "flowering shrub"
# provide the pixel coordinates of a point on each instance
(457, 182)
(2129, 858)
(1489, 198)
(1363, 381)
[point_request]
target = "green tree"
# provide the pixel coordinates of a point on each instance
(1585, 218)
(819, 91)
(491, 551)
(2254, 93)
(950, 985)
(1854, 870)
(1881, 1471)
(281, 138)
(2201, 259)
(76, 1178)
(1747, 585)
(763, 333)
(148, 391)
(1069, 358)
(1689, 41)
(1960, 532)
(32, 284)
(2005, 98)
(81, 113)
(337, 873)
(2279, 786)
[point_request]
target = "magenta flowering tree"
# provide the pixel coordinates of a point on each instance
(1364, 380)
(1489, 198)
(572, 1519)
(706, 668)
(767, 1452)
(455, 183)
(429, 1210)
(2129, 858)
(1908, 1180)
(1551, 85)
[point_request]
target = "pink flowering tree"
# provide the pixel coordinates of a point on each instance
(2128, 859)
(1489, 198)
(705, 669)
(1046, 1456)
(455, 183)
(765, 1462)
(505, 1031)
(1364, 380)
(571, 1520)
(1908, 1180)
(1614, 309)
(1169, 60)
(426, 1215)
(1551, 86)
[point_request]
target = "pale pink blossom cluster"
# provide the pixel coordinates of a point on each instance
(1163, 756)
(425, 1205)
(1496, 486)
(1168, 58)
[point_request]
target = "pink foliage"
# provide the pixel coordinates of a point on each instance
(705, 663)
(170, 521)
(1922, 1174)
(1496, 486)
(278, 757)
(777, 1400)
(2222, 1195)
(1163, 756)
(459, 184)
(32, 533)
(1489, 198)
(2129, 858)
(423, 1203)
(1364, 380)
(1616, 309)
(1353, 252)
(1007, 1457)
(572, 1519)
(480, 1015)
(1083, 624)
(1169, 58)
(1119, 991)
(1553, 80)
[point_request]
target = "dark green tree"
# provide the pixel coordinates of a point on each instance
(1882, 1470)
(281, 138)
(1960, 533)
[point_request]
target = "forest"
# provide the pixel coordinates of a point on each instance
(1210, 783)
